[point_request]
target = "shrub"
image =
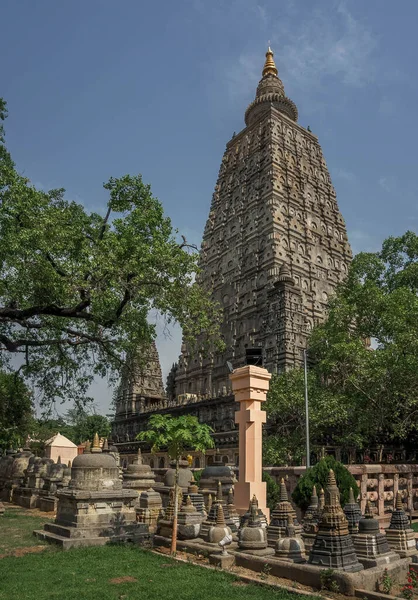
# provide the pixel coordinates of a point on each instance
(318, 475)
(197, 475)
(273, 491)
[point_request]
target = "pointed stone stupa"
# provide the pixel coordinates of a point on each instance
(310, 521)
(252, 538)
(352, 512)
(333, 546)
(291, 547)
(399, 534)
(279, 517)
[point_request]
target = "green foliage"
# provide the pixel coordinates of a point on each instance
(285, 406)
(378, 301)
(327, 580)
(358, 396)
(318, 475)
(85, 425)
(386, 582)
(15, 410)
(76, 288)
(197, 475)
(273, 490)
(176, 435)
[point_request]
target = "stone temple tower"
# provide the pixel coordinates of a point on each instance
(274, 246)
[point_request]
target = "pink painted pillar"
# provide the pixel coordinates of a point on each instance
(250, 385)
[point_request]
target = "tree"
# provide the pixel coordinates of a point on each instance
(77, 288)
(318, 475)
(377, 302)
(15, 410)
(85, 425)
(284, 439)
(176, 435)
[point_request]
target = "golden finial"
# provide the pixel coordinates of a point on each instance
(96, 444)
(269, 66)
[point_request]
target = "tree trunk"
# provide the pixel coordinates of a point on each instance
(173, 549)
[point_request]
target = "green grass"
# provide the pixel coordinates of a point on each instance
(415, 525)
(16, 530)
(86, 574)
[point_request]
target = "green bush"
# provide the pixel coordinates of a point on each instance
(197, 475)
(318, 475)
(273, 491)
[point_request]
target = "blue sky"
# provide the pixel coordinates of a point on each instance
(101, 88)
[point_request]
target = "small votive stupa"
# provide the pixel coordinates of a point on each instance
(149, 509)
(353, 513)
(94, 509)
(291, 547)
(245, 519)
(189, 521)
(400, 536)
(310, 521)
(279, 518)
(213, 514)
(196, 497)
(370, 544)
(218, 531)
(138, 476)
(233, 514)
(333, 545)
(252, 538)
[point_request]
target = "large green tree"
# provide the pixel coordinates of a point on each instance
(176, 435)
(77, 287)
(15, 410)
(363, 383)
(377, 302)
(85, 425)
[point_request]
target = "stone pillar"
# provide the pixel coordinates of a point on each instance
(250, 385)
(409, 489)
(381, 491)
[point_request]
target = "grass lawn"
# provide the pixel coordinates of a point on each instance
(113, 572)
(415, 525)
(16, 527)
(120, 573)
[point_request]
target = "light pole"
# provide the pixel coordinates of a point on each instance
(308, 452)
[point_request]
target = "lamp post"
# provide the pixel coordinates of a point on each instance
(308, 452)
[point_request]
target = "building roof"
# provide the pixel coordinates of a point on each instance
(61, 441)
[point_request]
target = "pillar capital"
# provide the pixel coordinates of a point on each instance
(250, 383)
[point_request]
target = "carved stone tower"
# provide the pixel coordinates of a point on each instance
(274, 246)
(140, 391)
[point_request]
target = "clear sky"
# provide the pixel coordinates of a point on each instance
(100, 88)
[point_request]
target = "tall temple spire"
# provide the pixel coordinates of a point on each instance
(269, 66)
(270, 92)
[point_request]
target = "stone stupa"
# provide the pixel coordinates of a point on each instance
(310, 521)
(370, 544)
(138, 476)
(291, 547)
(333, 546)
(399, 534)
(94, 509)
(280, 517)
(353, 513)
(252, 539)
